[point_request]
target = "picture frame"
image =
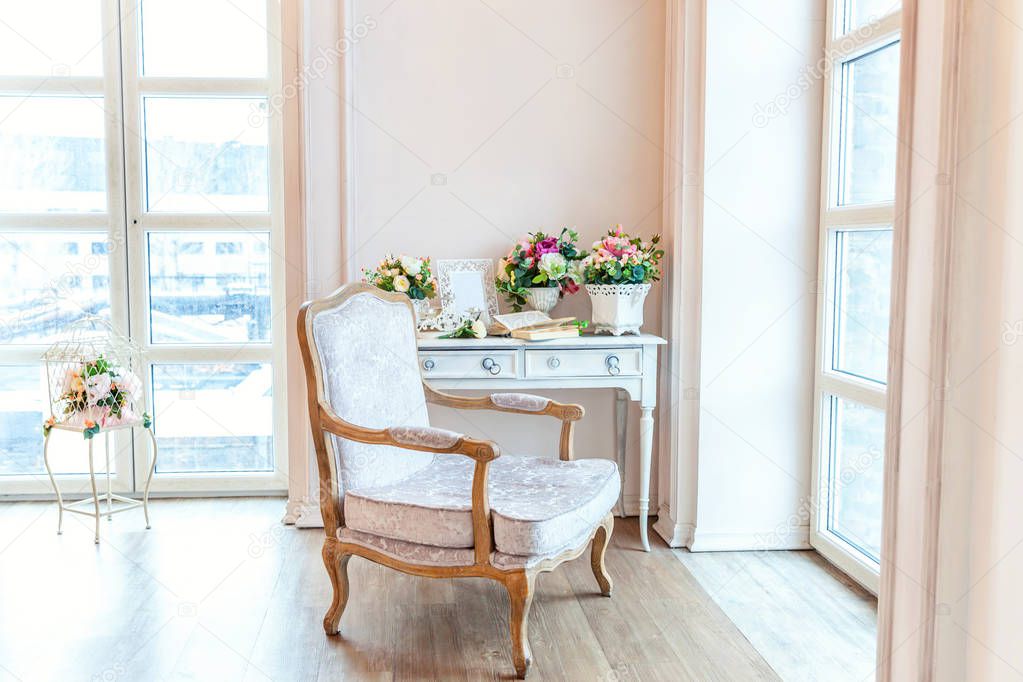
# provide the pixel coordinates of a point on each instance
(464, 284)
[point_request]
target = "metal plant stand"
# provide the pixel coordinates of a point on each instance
(124, 503)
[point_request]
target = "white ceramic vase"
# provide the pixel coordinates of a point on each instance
(617, 308)
(543, 298)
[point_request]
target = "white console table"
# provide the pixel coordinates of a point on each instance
(627, 364)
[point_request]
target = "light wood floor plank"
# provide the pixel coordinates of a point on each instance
(219, 590)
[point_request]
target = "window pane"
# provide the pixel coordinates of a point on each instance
(47, 282)
(224, 38)
(213, 417)
(55, 37)
(209, 287)
(23, 406)
(22, 389)
(52, 154)
(862, 12)
(206, 155)
(869, 122)
(862, 298)
(855, 473)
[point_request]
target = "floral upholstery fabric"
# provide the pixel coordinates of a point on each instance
(539, 506)
(426, 436)
(367, 353)
(428, 555)
(520, 401)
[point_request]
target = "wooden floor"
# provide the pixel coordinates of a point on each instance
(220, 590)
(808, 620)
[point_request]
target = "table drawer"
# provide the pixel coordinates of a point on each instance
(595, 362)
(462, 364)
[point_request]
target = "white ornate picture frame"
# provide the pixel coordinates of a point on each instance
(465, 284)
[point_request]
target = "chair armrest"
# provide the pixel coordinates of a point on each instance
(429, 439)
(517, 403)
(425, 439)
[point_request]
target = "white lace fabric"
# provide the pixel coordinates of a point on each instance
(520, 401)
(368, 357)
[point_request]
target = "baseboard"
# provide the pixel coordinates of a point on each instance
(303, 514)
(798, 538)
(675, 534)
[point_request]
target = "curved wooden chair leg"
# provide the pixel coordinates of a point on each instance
(520, 595)
(601, 539)
(337, 569)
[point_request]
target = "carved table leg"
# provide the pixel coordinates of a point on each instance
(601, 539)
(520, 595)
(621, 426)
(337, 569)
(646, 446)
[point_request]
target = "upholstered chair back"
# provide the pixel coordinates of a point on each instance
(366, 346)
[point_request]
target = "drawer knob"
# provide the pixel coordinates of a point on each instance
(613, 367)
(490, 365)
(429, 364)
(553, 362)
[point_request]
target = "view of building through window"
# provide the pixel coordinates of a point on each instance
(143, 193)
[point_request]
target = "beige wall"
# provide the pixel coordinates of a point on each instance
(744, 325)
(476, 122)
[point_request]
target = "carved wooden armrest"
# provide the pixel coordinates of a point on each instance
(518, 403)
(429, 439)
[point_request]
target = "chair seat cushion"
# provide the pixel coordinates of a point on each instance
(538, 505)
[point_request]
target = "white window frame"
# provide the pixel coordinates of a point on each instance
(126, 222)
(111, 221)
(841, 48)
(141, 222)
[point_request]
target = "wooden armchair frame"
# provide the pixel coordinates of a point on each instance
(336, 553)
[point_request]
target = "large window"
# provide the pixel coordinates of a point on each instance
(857, 216)
(141, 184)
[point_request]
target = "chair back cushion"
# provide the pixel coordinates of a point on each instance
(370, 368)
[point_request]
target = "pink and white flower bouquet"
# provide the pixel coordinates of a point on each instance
(98, 394)
(541, 261)
(621, 259)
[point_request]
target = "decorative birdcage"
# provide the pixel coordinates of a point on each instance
(93, 381)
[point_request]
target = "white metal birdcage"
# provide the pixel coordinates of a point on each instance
(92, 380)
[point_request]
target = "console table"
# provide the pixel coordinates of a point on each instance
(627, 364)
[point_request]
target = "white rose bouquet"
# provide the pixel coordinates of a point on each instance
(405, 274)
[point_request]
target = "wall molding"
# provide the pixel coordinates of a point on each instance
(675, 534)
(769, 539)
(682, 224)
(920, 330)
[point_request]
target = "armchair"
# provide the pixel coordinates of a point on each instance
(428, 501)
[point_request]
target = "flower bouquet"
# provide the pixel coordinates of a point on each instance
(470, 326)
(541, 270)
(97, 394)
(406, 275)
(618, 273)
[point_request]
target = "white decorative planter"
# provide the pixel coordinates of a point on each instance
(543, 298)
(617, 308)
(421, 307)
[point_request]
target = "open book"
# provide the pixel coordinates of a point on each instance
(533, 325)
